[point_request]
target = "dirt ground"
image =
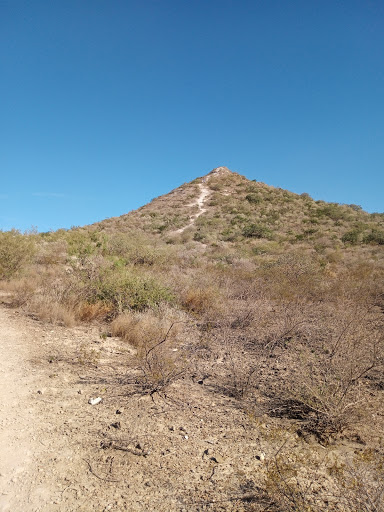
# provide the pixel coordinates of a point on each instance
(191, 450)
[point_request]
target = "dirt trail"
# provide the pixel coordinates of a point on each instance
(204, 193)
(19, 427)
(49, 434)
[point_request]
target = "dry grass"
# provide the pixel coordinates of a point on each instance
(157, 336)
(202, 300)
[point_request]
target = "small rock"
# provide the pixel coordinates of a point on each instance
(40, 391)
(218, 459)
(95, 401)
(80, 392)
(260, 456)
(120, 411)
(116, 425)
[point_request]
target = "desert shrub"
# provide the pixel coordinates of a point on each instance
(16, 251)
(253, 198)
(360, 482)
(87, 311)
(132, 249)
(57, 296)
(228, 235)
(291, 276)
(257, 231)
(125, 289)
(261, 250)
(82, 244)
(201, 300)
(293, 484)
(51, 310)
(21, 289)
(156, 335)
(97, 289)
(298, 480)
(374, 237)
(145, 328)
(351, 237)
(198, 236)
(241, 373)
(333, 211)
(355, 207)
(329, 393)
(52, 252)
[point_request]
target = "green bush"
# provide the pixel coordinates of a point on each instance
(355, 207)
(124, 290)
(351, 237)
(333, 211)
(253, 198)
(257, 231)
(16, 251)
(82, 244)
(374, 237)
(198, 236)
(131, 249)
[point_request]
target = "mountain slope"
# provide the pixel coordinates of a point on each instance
(226, 207)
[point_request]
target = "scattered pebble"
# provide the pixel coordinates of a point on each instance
(218, 459)
(95, 401)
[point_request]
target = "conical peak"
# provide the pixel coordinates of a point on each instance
(221, 170)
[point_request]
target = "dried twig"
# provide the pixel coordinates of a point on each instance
(98, 476)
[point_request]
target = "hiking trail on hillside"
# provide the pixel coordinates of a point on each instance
(200, 201)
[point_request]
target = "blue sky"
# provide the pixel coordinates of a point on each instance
(107, 104)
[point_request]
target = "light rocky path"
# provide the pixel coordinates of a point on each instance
(45, 419)
(200, 201)
(19, 422)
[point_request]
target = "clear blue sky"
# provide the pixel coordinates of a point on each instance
(106, 104)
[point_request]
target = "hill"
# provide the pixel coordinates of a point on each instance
(230, 290)
(223, 206)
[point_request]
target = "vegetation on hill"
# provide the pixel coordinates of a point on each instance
(275, 296)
